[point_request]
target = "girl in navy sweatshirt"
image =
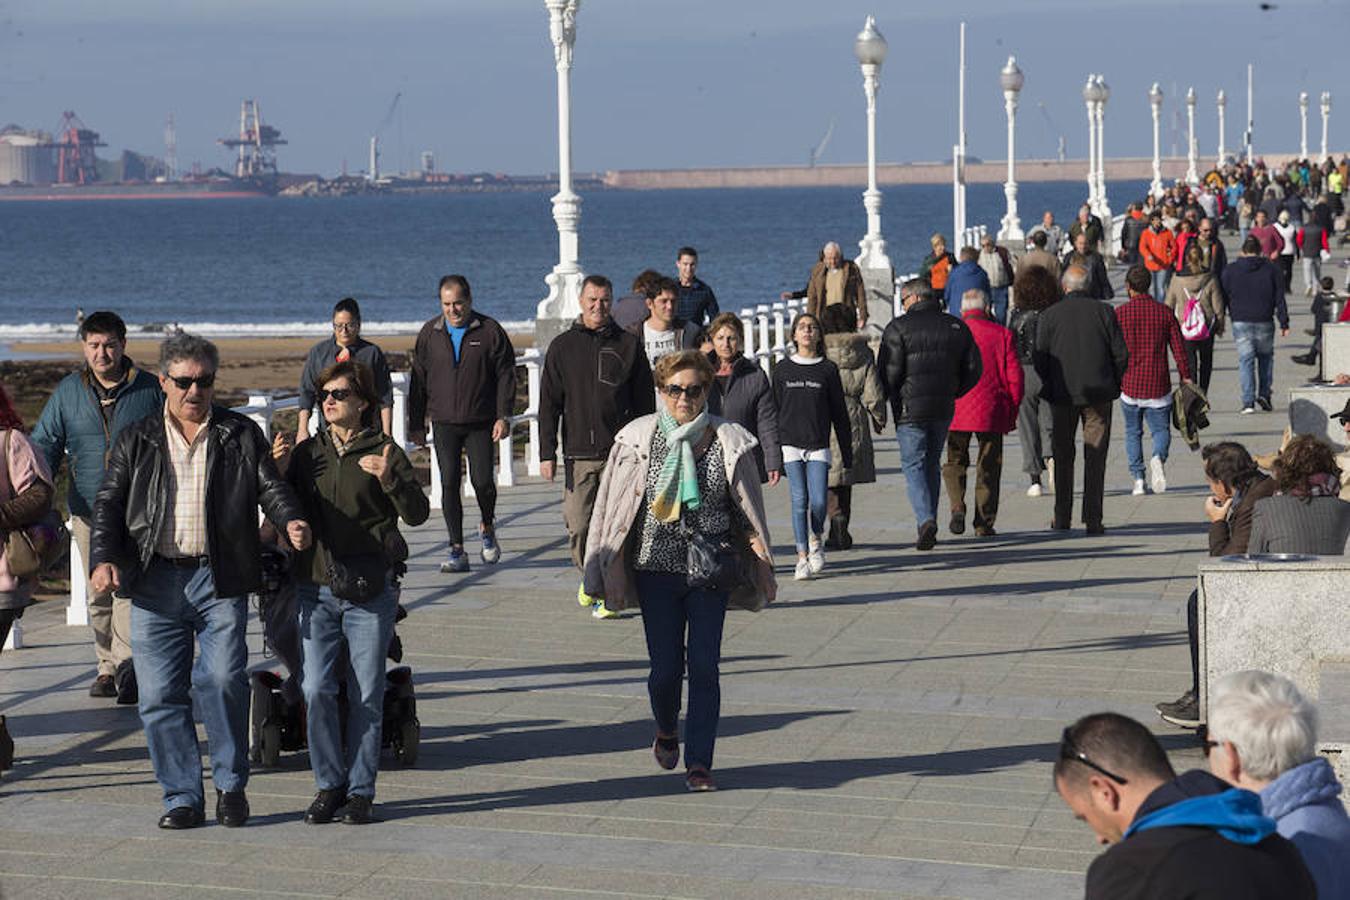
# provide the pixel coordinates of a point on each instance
(810, 400)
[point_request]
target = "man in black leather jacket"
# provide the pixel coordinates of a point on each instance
(176, 527)
(927, 359)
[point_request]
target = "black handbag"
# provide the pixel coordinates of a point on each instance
(359, 578)
(711, 564)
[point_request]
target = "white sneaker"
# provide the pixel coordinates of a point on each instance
(1138, 488)
(803, 570)
(1035, 490)
(815, 555)
(1157, 479)
(1247, 410)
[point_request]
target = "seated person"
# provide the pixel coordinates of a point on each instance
(1263, 737)
(1306, 514)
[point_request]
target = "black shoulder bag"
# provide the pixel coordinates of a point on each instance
(711, 564)
(359, 578)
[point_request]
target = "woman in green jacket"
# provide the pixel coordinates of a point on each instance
(354, 484)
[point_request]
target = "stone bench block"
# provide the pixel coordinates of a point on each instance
(1335, 349)
(1311, 408)
(1290, 618)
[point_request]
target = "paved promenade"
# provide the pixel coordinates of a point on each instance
(887, 729)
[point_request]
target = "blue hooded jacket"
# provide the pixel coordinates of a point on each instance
(1305, 806)
(1235, 814)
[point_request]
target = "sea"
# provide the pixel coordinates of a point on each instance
(276, 266)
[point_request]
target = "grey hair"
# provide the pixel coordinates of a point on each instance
(1075, 279)
(917, 288)
(974, 299)
(187, 347)
(1272, 725)
(832, 245)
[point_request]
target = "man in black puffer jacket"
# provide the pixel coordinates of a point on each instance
(176, 528)
(927, 359)
(1080, 357)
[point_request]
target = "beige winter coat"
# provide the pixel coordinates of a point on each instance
(1206, 289)
(616, 527)
(865, 402)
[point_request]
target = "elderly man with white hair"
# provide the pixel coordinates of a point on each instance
(1263, 737)
(835, 293)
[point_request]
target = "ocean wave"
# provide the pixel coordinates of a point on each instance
(32, 332)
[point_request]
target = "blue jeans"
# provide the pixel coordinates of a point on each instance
(670, 609)
(1159, 428)
(169, 607)
(1161, 279)
(1255, 345)
(921, 447)
(809, 486)
(998, 304)
(330, 628)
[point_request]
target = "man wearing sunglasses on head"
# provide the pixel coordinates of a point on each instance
(176, 528)
(1170, 836)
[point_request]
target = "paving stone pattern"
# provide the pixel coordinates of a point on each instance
(887, 729)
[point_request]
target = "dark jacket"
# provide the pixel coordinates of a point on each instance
(855, 292)
(1190, 413)
(697, 303)
(746, 398)
(350, 512)
(72, 425)
(1230, 536)
(1094, 230)
(1099, 283)
(1080, 352)
(1196, 861)
(1255, 291)
(596, 382)
(478, 389)
(1024, 323)
(927, 359)
(1289, 524)
(688, 335)
(324, 354)
(130, 511)
(810, 398)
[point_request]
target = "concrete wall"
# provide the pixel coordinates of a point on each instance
(890, 173)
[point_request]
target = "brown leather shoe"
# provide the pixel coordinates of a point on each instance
(103, 686)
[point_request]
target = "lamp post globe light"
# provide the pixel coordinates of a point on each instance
(1326, 115)
(1090, 97)
(1155, 99)
(1192, 176)
(1303, 125)
(1103, 207)
(1222, 102)
(1011, 79)
(563, 302)
(870, 48)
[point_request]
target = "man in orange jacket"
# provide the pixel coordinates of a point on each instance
(1159, 249)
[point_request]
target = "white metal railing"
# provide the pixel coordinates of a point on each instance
(972, 236)
(1117, 229)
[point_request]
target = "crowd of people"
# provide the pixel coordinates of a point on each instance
(666, 436)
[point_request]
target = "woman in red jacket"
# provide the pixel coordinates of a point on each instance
(988, 411)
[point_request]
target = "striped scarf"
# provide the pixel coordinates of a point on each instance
(677, 482)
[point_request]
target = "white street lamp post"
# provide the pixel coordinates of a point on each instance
(1222, 101)
(1155, 99)
(1326, 116)
(1303, 125)
(1103, 207)
(1090, 99)
(563, 301)
(1012, 79)
(870, 48)
(1192, 176)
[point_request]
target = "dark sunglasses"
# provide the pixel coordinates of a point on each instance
(183, 383)
(1069, 750)
(693, 392)
(338, 394)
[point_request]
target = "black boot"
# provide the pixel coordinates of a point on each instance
(6, 747)
(833, 542)
(1306, 359)
(845, 538)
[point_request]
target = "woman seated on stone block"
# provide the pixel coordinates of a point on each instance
(1305, 515)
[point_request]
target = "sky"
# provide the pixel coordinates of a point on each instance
(656, 83)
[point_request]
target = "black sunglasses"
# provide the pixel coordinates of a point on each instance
(1069, 750)
(338, 394)
(693, 391)
(183, 383)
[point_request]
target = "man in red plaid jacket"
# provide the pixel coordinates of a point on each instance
(1150, 330)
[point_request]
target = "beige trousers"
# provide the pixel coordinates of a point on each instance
(109, 616)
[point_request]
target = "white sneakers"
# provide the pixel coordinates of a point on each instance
(815, 555)
(1158, 481)
(803, 570)
(1138, 488)
(1035, 490)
